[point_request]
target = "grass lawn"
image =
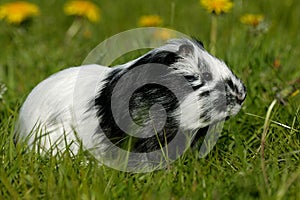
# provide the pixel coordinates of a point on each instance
(267, 59)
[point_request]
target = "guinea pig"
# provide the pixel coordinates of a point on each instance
(178, 87)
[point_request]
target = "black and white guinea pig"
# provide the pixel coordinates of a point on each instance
(79, 100)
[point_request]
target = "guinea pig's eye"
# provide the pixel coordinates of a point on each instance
(207, 76)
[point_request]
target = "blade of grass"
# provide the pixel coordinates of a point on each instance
(285, 186)
(263, 141)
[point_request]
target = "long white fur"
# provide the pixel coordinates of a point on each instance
(57, 107)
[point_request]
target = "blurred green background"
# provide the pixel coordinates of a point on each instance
(40, 49)
(267, 60)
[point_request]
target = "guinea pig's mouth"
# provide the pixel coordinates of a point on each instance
(227, 118)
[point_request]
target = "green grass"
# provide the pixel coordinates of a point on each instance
(233, 170)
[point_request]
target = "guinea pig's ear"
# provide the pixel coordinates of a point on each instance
(186, 50)
(200, 43)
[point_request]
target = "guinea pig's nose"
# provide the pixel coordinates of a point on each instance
(241, 95)
(241, 98)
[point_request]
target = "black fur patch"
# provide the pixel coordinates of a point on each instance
(199, 135)
(204, 94)
(139, 105)
(161, 57)
(230, 84)
(191, 78)
(196, 87)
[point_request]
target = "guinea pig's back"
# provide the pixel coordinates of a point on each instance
(58, 105)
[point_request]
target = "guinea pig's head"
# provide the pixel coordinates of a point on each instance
(217, 91)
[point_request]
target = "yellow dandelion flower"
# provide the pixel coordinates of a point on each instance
(217, 6)
(17, 12)
(251, 19)
(85, 9)
(150, 20)
(163, 34)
